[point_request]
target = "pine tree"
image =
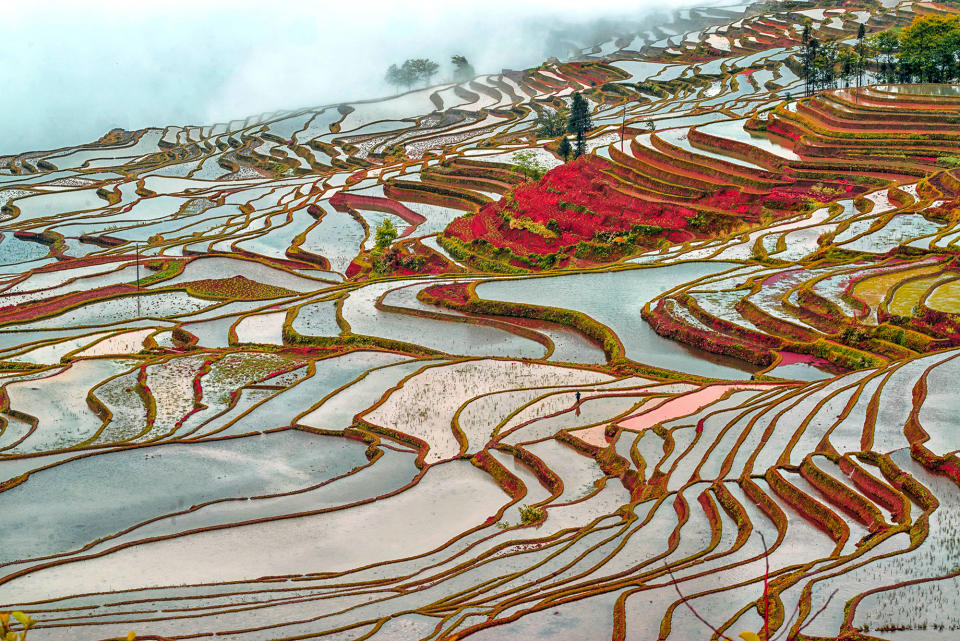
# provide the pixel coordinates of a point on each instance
(564, 149)
(579, 115)
(814, 64)
(581, 145)
(579, 122)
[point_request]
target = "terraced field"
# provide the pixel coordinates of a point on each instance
(702, 373)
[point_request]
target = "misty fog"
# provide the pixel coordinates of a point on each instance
(73, 71)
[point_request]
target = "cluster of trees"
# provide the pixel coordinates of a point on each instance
(411, 72)
(386, 258)
(826, 64)
(928, 50)
(416, 70)
(572, 120)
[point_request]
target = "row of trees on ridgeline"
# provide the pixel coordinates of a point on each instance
(567, 120)
(416, 70)
(928, 50)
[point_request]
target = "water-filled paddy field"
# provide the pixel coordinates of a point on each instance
(709, 362)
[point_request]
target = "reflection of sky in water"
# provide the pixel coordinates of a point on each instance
(923, 90)
(100, 495)
(616, 299)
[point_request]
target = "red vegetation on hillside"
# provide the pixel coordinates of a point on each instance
(593, 211)
(568, 205)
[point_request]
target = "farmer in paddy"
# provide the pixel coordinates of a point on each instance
(578, 398)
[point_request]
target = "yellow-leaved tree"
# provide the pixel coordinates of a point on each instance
(7, 631)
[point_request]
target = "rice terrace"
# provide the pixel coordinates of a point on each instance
(659, 339)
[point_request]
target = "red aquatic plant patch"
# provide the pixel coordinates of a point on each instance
(793, 358)
(455, 292)
(20, 313)
(83, 262)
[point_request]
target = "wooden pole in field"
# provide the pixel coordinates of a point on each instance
(623, 126)
(137, 245)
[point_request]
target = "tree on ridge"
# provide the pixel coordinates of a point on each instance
(579, 122)
(463, 69)
(564, 149)
(551, 124)
(411, 71)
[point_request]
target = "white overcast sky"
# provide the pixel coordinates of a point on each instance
(71, 71)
